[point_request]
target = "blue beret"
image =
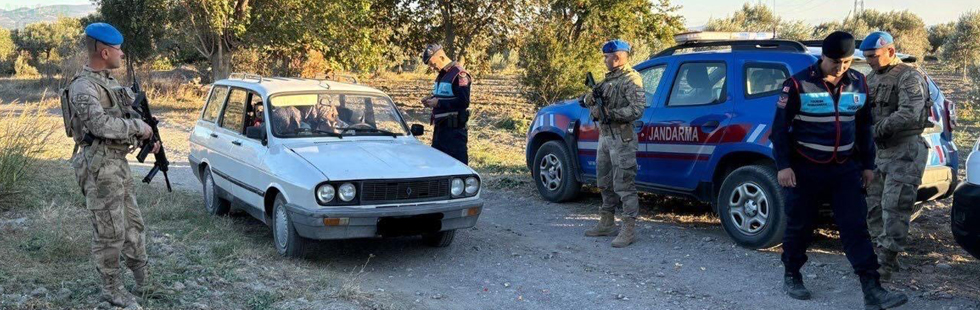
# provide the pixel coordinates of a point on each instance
(876, 40)
(430, 50)
(615, 46)
(104, 33)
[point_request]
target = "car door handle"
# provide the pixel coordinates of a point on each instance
(238, 143)
(214, 135)
(710, 126)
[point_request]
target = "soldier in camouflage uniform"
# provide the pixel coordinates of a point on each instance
(105, 128)
(623, 98)
(900, 106)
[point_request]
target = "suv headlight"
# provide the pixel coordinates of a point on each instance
(347, 192)
(325, 193)
(456, 189)
(472, 186)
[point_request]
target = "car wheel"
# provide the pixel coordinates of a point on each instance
(750, 206)
(213, 203)
(288, 242)
(439, 239)
(554, 173)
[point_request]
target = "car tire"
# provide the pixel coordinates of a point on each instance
(439, 239)
(213, 203)
(750, 205)
(287, 241)
(557, 183)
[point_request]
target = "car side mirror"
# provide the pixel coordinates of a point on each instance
(256, 132)
(418, 130)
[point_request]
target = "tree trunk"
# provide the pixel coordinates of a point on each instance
(449, 28)
(220, 65)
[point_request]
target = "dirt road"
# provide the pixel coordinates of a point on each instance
(526, 253)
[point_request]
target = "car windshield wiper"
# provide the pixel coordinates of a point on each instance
(382, 131)
(330, 133)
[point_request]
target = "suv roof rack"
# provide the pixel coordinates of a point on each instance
(334, 77)
(743, 45)
(245, 76)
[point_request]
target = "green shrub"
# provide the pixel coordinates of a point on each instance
(23, 68)
(22, 140)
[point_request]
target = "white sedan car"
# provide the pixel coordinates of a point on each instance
(319, 159)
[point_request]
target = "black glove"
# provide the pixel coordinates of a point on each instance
(597, 92)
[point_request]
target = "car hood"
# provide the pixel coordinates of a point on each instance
(351, 159)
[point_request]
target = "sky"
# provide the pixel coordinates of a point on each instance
(698, 12)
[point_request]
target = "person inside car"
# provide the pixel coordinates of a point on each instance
(286, 120)
(324, 116)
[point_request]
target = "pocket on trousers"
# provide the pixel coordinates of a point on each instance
(105, 225)
(627, 159)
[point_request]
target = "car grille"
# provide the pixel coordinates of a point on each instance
(403, 191)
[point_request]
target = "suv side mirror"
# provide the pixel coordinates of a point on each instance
(256, 132)
(418, 130)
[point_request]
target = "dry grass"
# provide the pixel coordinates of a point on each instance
(22, 141)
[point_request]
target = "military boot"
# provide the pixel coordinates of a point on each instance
(889, 264)
(114, 294)
(626, 235)
(146, 288)
(605, 227)
(793, 286)
(876, 297)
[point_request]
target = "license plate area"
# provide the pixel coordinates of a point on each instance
(409, 225)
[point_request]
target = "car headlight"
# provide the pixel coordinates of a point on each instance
(472, 186)
(457, 187)
(347, 192)
(325, 193)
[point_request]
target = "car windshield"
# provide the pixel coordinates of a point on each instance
(326, 114)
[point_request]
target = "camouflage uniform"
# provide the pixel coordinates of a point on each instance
(624, 99)
(102, 172)
(899, 99)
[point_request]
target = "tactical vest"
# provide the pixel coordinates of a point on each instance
(74, 127)
(613, 96)
(825, 129)
(885, 94)
(443, 88)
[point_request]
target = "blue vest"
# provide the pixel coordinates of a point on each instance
(824, 129)
(443, 87)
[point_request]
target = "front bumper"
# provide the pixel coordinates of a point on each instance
(936, 182)
(965, 217)
(363, 223)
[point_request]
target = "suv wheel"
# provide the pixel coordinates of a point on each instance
(750, 206)
(439, 239)
(554, 174)
(288, 242)
(213, 203)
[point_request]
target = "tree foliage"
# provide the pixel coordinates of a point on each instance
(761, 18)
(908, 29)
(40, 39)
(566, 37)
(938, 34)
(214, 28)
(962, 49)
(141, 22)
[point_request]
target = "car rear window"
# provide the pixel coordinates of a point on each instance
(699, 83)
(234, 115)
(764, 79)
(213, 106)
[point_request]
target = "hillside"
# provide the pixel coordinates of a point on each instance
(17, 18)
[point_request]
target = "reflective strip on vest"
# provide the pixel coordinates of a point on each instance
(824, 119)
(826, 148)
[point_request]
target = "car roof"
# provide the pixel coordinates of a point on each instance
(268, 86)
(858, 54)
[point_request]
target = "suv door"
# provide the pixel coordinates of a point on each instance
(653, 84)
(691, 120)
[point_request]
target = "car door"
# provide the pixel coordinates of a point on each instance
(229, 140)
(653, 80)
(760, 84)
(680, 138)
(247, 156)
(205, 141)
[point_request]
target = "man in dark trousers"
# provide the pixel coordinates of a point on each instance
(450, 101)
(824, 150)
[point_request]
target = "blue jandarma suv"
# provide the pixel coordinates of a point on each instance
(705, 134)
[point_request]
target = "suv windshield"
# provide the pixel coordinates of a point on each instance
(324, 114)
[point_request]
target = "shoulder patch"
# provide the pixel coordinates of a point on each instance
(464, 79)
(783, 99)
(83, 98)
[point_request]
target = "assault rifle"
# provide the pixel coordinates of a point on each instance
(604, 118)
(161, 164)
